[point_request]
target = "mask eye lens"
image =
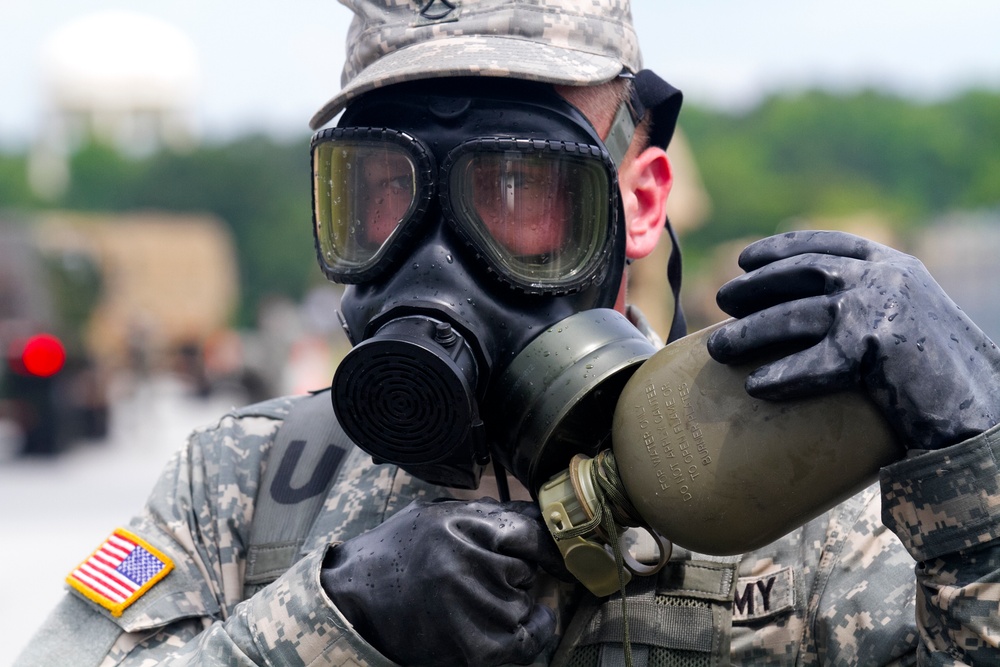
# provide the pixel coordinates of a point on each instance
(363, 193)
(521, 203)
(386, 191)
(540, 216)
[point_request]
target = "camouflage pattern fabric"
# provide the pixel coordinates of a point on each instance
(908, 575)
(571, 42)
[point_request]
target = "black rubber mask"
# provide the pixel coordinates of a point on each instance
(427, 202)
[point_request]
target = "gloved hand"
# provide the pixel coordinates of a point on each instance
(860, 314)
(447, 583)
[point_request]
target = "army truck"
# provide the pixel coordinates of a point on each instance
(85, 298)
(51, 387)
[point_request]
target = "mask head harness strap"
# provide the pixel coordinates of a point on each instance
(628, 116)
(647, 93)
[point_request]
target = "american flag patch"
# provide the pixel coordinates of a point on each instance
(120, 571)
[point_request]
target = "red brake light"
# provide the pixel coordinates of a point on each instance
(43, 355)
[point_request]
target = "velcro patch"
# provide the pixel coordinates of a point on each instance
(120, 571)
(761, 597)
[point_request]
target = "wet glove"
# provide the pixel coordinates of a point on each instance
(860, 315)
(447, 583)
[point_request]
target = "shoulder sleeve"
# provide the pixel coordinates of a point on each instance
(199, 517)
(944, 506)
(947, 500)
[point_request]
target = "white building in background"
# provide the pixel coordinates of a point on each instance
(121, 78)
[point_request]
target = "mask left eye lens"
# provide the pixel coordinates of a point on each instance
(363, 192)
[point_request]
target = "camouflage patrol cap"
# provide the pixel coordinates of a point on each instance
(572, 42)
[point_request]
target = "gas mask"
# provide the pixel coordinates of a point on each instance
(477, 224)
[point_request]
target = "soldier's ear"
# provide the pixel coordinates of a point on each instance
(645, 184)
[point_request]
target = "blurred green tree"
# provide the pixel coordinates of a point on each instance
(817, 154)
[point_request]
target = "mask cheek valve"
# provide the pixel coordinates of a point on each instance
(407, 396)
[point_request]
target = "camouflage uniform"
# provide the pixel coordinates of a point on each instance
(905, 574)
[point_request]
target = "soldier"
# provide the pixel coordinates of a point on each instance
(496, 165)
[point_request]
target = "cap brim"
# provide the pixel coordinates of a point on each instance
(475, 55)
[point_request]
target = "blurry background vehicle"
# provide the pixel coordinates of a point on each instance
(50, 385)
(89, 304)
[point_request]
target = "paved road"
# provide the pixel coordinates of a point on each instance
(54, 513)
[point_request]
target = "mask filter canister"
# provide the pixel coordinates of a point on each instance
(407, 394)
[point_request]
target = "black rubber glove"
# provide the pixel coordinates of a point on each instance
(447, 583)
(860, 315)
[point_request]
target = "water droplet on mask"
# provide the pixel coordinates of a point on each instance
(449, 258)
(590, 367)
(416, 266)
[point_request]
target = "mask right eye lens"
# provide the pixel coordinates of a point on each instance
(363, 192)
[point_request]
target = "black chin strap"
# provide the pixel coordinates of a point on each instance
(678, 328)
(503, 489)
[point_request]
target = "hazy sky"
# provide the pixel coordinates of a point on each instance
(270, 65)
